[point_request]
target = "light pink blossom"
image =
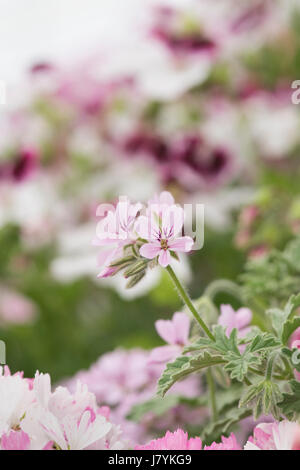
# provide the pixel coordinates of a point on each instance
(177, 440)
(162, 228)
(32, 417)
(284, 435)
(228, 443)
(240, 320)
(15, 308)
(122, 379)
(114, 231)
(175, 332)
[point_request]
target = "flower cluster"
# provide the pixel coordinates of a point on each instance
(124, 379)
(32, 417)
(132, 235)
(284, 435)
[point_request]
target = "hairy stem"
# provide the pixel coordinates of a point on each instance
(186, 299)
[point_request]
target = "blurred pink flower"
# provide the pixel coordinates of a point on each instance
(175, 332)
(196, 162)
(240, 320)
(123, 379)
(15, 308)
(21, 166)
(228, 443)
(177, 440)
(166, 31)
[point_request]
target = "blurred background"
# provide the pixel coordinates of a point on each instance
(107, 98)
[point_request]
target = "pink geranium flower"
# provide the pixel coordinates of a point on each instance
(177, 440)
(275, 436)
(114, 231)
(19, 440)
(162, 228)
(175, 332)
(228, 443)
(15, 440)
(240, 320)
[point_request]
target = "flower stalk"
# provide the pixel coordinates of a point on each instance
(186, 299)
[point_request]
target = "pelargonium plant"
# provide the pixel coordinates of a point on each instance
(241, 365)
(252, 351)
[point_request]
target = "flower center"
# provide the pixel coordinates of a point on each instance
(164, 244)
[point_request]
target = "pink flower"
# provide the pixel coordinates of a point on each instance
(184, 42)
(177, 440)
(23, 164)
(228, 443)
(275, 436)
(124, 378)
(240, 320)
(161, 228)
(114, 231)
(19, 440)
(15, 440)
(15, 308)
(197, 163)
(295, 336)
(175, 332)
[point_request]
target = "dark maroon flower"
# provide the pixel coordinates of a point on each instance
(20, 167)
(193, 42)
(208, 163)
(151, 145)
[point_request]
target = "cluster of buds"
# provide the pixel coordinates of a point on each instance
(133, 265)
(134, 237)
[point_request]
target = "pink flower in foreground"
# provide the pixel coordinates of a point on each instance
(161, 228)
(32, 417)
(19, 440)
(176, 333)
(177, 440)
(275, 436)
(228, 443)
(15, 440)
(240, 320)
(125, 378)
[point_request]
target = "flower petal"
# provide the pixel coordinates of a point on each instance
(164, 258)
(150, 250)
(181, 244)
(166, 330)
(163, 354)
(243, 317)
(181, 324)
(172, 218)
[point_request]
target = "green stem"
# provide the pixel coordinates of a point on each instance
(186, 299)
(212, 394)
(223, 285)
